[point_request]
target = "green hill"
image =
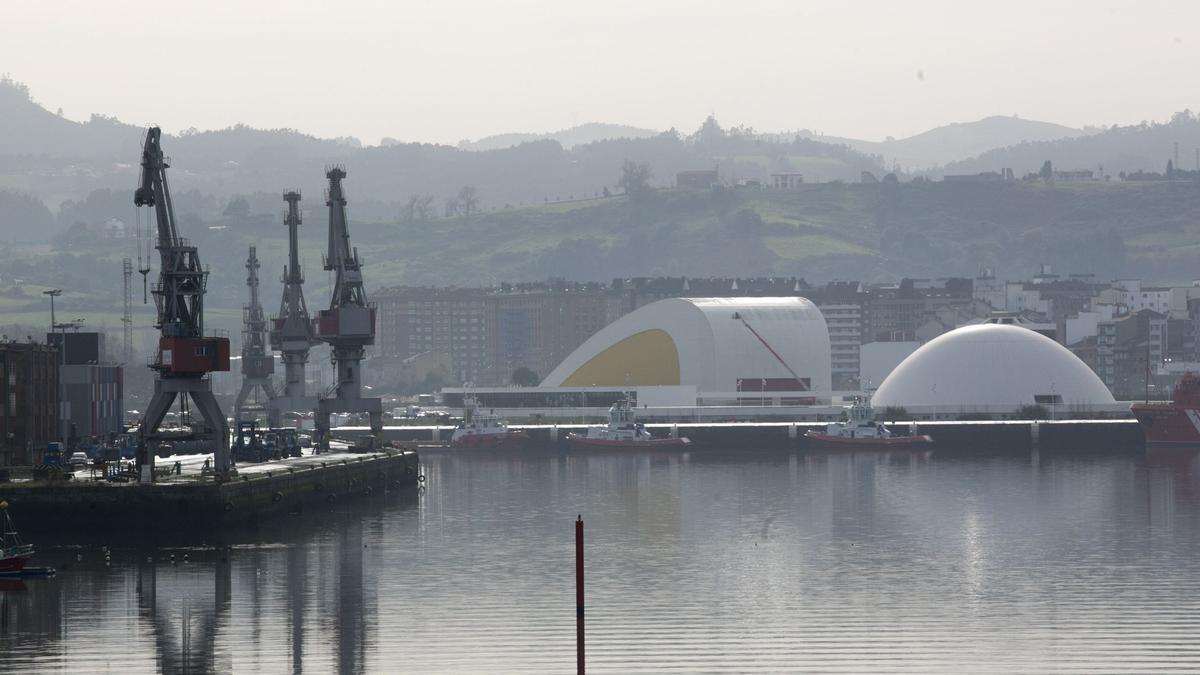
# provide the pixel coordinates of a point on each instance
(822, 232)
(847, 231)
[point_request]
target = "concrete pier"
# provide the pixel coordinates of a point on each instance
(260, 491)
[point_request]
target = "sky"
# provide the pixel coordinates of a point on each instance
(439, 71)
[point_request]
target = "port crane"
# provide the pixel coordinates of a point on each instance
(292, 330)
(185, 355)
(348, 326)
(257, 363)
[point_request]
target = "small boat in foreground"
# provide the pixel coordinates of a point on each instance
(485, 431)
(14, 554)
(623, 432)
(860, 431)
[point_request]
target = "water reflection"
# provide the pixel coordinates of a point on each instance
(184, 621)
(701, 561)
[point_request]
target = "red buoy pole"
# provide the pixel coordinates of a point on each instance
(579, 594)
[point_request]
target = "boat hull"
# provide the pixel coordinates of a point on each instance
(819, 441)
(578, 442)
(509, 440)
(1168, 425)
(13, 565)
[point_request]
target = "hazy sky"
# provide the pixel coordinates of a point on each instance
(452, 69)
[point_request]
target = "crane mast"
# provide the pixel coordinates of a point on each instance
(179, 294)
(185, 356)
(257, 363)
(292, 329)
(348, 326)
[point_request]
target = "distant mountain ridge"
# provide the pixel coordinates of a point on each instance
(1143, 147)
(568, 138)
(955, 142)
(31, 130)
(81, 171)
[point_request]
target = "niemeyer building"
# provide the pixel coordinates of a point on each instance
(996, 370)
(689, 352)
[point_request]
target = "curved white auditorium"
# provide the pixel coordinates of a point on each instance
(735, 346)
(992, 368)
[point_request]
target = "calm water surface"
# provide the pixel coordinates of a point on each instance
(720, 562)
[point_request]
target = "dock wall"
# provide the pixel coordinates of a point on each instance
(950, 437)
(202, 503)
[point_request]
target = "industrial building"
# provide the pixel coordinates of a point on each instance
(995, 370)
(28, 401)
(92, 387)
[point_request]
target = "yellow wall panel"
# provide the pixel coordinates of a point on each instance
(647, 358)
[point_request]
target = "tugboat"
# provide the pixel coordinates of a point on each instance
(623, 432)
(485, 431)
(1173, 424)
(860, 431)
(13, 553)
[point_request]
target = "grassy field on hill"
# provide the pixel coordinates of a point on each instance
(821, 232)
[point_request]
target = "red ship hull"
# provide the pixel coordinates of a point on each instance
(1168, 424)
(578, 442)
(511, 440)
(819, 441)
(1175, 424)
(12, 565)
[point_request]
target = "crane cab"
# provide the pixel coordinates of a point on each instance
(189, 355)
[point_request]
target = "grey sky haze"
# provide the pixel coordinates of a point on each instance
(443, 71)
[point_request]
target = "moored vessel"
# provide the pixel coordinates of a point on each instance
(622, 432)
(485, 431)
(860, 431)
(14, 554)
(1175, 423)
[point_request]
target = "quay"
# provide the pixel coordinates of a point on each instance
(959, 437)
(257, 492)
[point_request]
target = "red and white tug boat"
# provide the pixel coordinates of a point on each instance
(1173, 424)
(860, 431)
(623, 432)
(485, 431)
(13, 553)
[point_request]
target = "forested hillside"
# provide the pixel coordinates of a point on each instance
(70, 166)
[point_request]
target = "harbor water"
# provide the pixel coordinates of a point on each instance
(710, 561)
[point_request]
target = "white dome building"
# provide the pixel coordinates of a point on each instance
(726, 348)
(992, 368)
